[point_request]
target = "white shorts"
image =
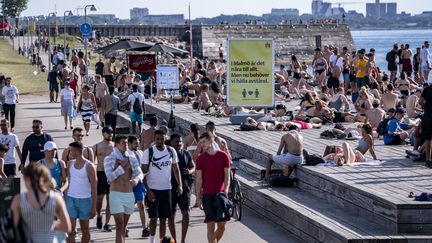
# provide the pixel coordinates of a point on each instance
(288, 159)
(122, 202)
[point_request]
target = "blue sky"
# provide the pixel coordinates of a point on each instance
(206, 8)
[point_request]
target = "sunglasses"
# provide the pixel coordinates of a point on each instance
(35, 126)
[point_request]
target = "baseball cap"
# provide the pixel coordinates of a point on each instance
(107, 130)
(400, 111)
(138, 76)
(49, 146)
(67, 81)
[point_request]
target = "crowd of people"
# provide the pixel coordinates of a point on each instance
(156, 172)
(156, 176)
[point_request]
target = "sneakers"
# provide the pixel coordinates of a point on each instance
(99, 222)
(126, 233)
(145, 232)
(107, 228)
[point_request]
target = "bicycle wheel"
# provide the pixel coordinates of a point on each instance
(237, 198)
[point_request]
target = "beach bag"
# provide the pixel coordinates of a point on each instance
(95, 118)
(247, 127)
(282, 181)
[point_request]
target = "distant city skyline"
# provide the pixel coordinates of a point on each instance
(202, 8)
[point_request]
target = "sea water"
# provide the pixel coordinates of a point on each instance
(382, 41)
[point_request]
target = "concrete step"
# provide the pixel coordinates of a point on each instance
(311, 218)
(396, 218)
(392, 215)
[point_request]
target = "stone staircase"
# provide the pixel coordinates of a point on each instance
(314, 214)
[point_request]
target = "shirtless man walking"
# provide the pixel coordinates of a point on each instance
(101, 89)
(123, 173)
(292, 143)
(78, 135)
(102, 150)
(147, 136)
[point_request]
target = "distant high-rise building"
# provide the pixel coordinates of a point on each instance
(391, 9)
(316, 6)
(381, 10)
(285, 11)
(138, 13)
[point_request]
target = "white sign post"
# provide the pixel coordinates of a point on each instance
(167, 77)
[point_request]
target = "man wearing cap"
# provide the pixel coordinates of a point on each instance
(412, 104)
(102, 150)
(375, 115)
(33, 144)
(57, 167)
(11, 140)
(396, 130)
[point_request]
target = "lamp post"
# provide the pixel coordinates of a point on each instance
(49, 40)
(92, 8)
(69, 13)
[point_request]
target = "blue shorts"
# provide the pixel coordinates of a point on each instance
(79, 208)
(136, 117)
(139, 192)
(53, 87)
(346, 77)
(361, 82)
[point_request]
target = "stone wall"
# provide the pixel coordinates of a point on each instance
(299, 40)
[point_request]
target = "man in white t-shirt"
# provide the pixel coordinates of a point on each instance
(425, 61)
(11, 95)
(158, 162)
(136, 112)
(11, 140)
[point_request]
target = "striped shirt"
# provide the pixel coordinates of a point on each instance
(39, 221)
(112, 171)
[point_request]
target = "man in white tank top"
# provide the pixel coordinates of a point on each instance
(81, 194)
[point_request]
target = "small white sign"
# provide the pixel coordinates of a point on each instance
(167, 77)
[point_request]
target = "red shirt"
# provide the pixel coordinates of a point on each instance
(73, 85)
(212, 167)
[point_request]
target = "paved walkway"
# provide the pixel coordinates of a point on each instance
(252, 228)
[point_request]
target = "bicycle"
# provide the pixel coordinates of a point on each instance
(235, 195)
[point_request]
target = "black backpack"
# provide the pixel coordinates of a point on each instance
(150, 156)
(390, 57)
(137, 107)
(382, 126)
(282, 181)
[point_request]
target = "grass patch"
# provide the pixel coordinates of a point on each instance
(19, 68)
(70, 39)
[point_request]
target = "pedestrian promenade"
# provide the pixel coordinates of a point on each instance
(253, 228)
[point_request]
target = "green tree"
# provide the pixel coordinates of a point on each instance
(13, 8)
